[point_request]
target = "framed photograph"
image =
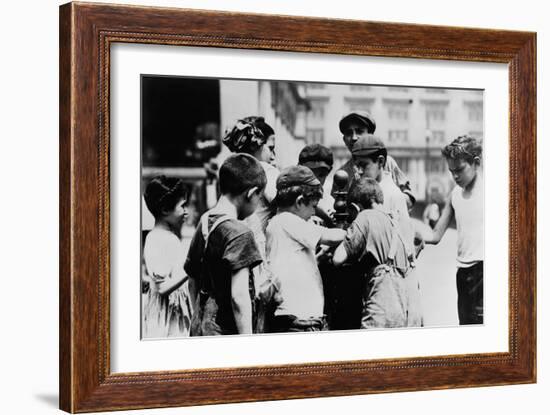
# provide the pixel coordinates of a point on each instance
(258, 207)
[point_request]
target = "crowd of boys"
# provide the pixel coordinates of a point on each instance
(315, 275)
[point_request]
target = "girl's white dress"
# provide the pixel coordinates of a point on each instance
(164, 315)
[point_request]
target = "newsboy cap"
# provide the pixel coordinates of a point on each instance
(367, 145)
(296, 176)
(361, 117)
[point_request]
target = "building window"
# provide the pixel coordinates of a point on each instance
(398, 113)
(359, 104)
(315, 136)
(475, 110)
(285, 103)
(398, 110)
(437, 137)
(359, 88)
(435, 112)
(317, 111)
(398, 136)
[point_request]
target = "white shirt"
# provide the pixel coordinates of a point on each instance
(396, 205)
(468, 209)
(291, 243)
(257, 222)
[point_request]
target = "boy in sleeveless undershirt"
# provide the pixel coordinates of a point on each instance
(465, 204)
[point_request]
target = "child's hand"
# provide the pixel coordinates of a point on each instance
(158, 279)
(324, 254)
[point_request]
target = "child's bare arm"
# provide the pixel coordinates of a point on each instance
(168, 285)
(340, 255)
(332, 237)
(442, 224)
(353, 246)
(240, 301)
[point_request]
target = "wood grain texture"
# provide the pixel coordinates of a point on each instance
(65, 247)
(86, 33)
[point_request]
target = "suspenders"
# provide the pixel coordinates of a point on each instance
(205, 283)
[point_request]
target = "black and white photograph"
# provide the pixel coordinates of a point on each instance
(282, 206)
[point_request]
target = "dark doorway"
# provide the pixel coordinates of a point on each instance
(180, 121)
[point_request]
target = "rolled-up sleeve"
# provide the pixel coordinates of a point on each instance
(242, 252)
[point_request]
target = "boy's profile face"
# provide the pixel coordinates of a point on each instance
(367, 167)
(249, 204)
(353, 131)
(463, 172)
(176, 217)
(306, 210)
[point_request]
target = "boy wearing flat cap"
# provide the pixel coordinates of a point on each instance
(291, 244)
(377, 254)
(369, 157)
(355, 125)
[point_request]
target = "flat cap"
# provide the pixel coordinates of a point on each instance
(296, 176)
(360, 117)
(367, 145)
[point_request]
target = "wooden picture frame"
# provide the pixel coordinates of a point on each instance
(86, 33)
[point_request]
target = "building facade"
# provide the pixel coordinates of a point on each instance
(184, 120)
(282, 104)
(415, 123)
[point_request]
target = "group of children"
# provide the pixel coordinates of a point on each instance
(253, 262)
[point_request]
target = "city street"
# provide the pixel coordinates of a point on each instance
(436, 267)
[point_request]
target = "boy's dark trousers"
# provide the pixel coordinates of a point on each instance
(343, 288)
(469, 285)
(290, 323)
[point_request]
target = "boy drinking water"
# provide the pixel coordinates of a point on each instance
(223, 251)
(465, 204)
(369, 158)
(291, 246)
(376, 250)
